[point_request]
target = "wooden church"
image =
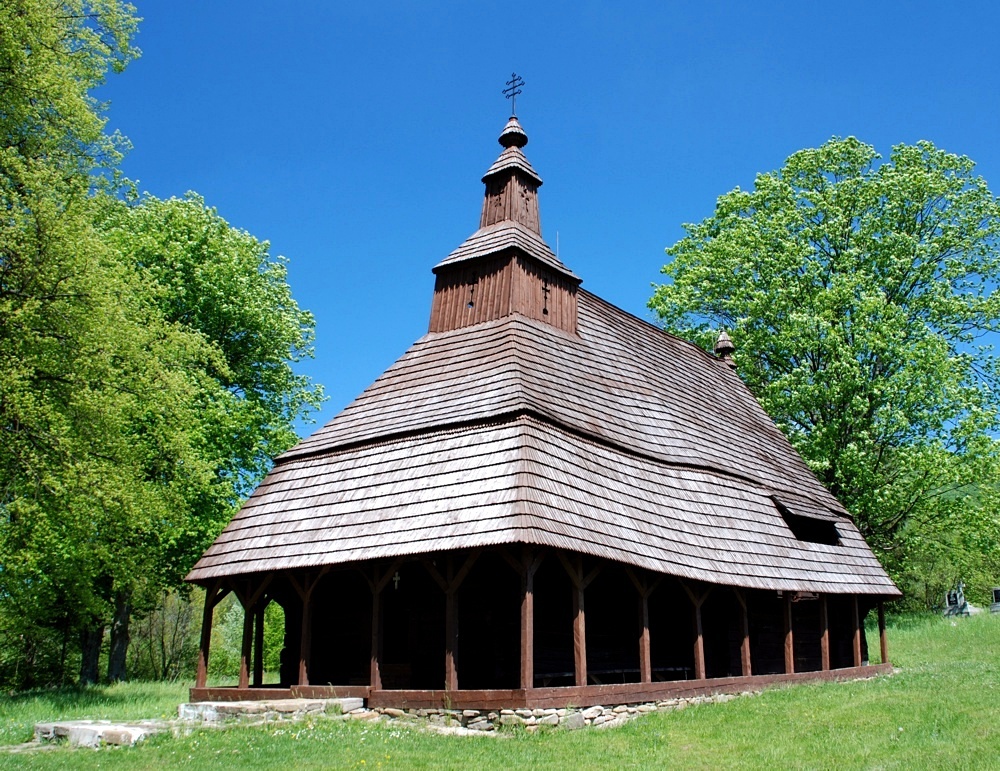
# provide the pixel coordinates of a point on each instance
(545, 501)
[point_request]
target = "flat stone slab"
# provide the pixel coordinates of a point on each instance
(94, 733)
(220, 711)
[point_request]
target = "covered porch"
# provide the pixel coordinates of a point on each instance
(531, 627)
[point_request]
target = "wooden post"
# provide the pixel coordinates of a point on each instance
(377, 585)
(574, 569)
(824, 634)
(697, 600)
(305, 644)
(644, 588)
(645, 661)
(789, 639)
(375, 678)
(450, 630)
(579, 634)
(248, 617)
(699, 644)
(206, 635)
(528, 568)
(305, 591)
(745, 626)
(882, 639)
(258, 645)
(857, 631)
(449, 585)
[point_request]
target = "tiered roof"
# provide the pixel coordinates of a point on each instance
(612, 439)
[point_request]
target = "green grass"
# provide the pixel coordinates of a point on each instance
(941, 710)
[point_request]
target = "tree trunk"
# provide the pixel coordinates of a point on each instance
(90, 647)
(119, 636)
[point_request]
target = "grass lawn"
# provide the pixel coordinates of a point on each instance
(941, 710)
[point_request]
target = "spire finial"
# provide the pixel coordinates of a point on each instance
(512, 90)
(724, 348)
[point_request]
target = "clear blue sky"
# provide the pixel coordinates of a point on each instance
(353, 136)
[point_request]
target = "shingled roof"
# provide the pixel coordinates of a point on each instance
(610, 438)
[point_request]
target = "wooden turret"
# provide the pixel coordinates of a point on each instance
(505, 267)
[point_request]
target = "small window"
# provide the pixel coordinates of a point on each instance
(807, 526)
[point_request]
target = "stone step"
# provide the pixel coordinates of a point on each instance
(275, 709)
(94, 733)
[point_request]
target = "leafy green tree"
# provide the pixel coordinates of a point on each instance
(145, 358)
(221, 287)
(859, 294)
(55, 315)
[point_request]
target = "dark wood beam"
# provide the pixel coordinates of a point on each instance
(579, 637)
(201, 676)
(377, 583)
(824, 634)
(375, 676)
(529, 566)
(645, 659)
(245, 649)
(745, 664)
(789, 636)
(258, 645)
(697, 600)
(857, 630)
(882, 638)
(451, 628)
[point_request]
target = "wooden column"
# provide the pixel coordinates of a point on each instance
(305, 590)
(375, 677)
(377, 583)
(528, 567)
(248, 617)
(697, 600)
(857, 631)
(450, 629)
(258, 645)
(882, 639)
(574, 568)
(579, 636)
(450, 587)
(645, 657)
(789, 637)
(212, 598)
(745, 626)
(824, 634)
(305, 641)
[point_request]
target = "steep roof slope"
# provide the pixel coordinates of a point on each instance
(587, 430)
(624, 443)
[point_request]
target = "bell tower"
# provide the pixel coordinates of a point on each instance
(505, 267)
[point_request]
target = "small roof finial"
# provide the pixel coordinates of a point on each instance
(724, 348)
(512, 90)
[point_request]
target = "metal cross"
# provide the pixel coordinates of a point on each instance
(545, 291)
(512, 90)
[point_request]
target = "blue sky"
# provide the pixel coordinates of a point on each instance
(353, 136)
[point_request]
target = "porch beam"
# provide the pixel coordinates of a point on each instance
(258, 645)
(528, 567)
(211, 600)
(883, 640)
(789, 636)
(857, 630)
(745, 665)
(697, 600)
(824, 634)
